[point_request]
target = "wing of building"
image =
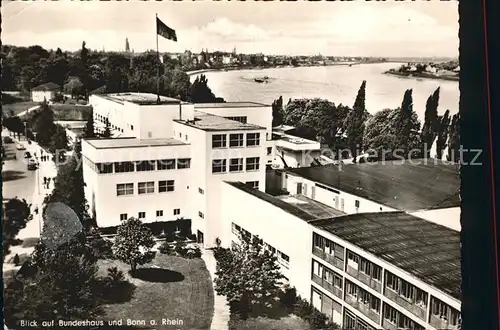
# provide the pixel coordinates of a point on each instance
(373, 246)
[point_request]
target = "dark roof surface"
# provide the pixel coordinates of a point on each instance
(314, 208)
(424, 249)
(406, 187)
(293, 210)
(47, 87)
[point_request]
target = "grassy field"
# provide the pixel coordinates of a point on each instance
(18, 107)
(170, 288)
(290, 322)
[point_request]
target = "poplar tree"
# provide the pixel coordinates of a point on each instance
(429, 130)
(355, 122)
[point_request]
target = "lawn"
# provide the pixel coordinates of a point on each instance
(170, 288)
(18, 107)
(290, 322)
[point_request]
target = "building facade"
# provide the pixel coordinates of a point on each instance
(45, 92)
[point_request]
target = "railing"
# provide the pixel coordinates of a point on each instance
(371, 314)
(441, 324)
(328, 286)
(372, 283)
(388, 325)
(409, 306)
(328, 258)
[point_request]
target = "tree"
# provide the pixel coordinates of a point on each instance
(454, 140)
(404, 122)
(69, 189)
(201, 93)
(278, 111)
(133, 244)
(89, 130)
(57, 284)
(248, 275)
(74, 87)
(442, 133)
(59, 140)
(355, 122)
(44, 125)
(429, 130)
(381, 134)
(16, 214)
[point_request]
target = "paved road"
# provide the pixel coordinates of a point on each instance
(17, 180)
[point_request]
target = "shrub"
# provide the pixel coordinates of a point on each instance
(101, 247)
(288, 298)
(16, 260)
(166, 248)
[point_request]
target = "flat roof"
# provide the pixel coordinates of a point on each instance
(140, 98)
(421, 248)
(132, 142)
(230, 105)
(208, 122)
(406, 187)
(314, 208)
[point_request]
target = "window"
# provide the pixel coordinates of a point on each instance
(219, 141)
(241, 119)
(219, 165)
(201, 215)
(146, 187)
(201, 191)
(132, 127)
(253, 139)
(328, 276)
(165, 164)
(253, 184)
(253, 163)
(166, 185)
(352, 289)
(377, 272)
(236, 165)
(123, 216)
(186, 137)
(356, 203)
(390, 314)
(269, 151)
(123, 189)
(183, 163)
(392, 281)
(124, 167)
(142, 215)
(150, 134)
(105, 168)
(145, 165)
(177, 211)
(159, 213)
(317, 268)
(235, 140)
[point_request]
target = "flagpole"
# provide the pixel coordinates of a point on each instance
(158, 71)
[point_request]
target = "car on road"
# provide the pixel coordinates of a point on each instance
(32, 165)
(19, 146)
(27, 155)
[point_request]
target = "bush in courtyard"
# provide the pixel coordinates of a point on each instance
(101, 247)
(288, 298)
(166, 248)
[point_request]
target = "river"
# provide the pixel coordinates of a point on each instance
(338, 84)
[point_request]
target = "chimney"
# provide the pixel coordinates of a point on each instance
(180, 108)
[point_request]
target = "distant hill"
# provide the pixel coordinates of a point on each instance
(421, 59)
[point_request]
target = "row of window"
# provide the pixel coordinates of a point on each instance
(235, 165)
(148, 187)
(400, 320)
(363, 296)
(364, 266)
(142, 215)
(327, 274)
(105, 121)
(328, 246)
(235, 140)
(406, 290)
(444, 312)
(283, 258)
(143, 166)
(241, 119)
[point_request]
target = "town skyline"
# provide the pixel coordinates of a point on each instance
(279, 29)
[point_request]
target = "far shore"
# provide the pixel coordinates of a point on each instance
(422, 75)
(192, 73)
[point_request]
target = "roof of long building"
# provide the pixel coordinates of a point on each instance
(426, 250)
(402, 186)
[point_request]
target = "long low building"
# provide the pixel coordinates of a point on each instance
(379, 270)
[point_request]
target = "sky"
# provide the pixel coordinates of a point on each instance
(357, 28)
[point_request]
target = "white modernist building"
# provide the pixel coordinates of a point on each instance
(366, 243)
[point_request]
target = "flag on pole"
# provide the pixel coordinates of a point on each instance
(163, 30)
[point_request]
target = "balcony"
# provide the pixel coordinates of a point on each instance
(328, 258)
(420, 312)
(328, 286)
(371, 314)
(441, 324)
(362, 277)
(388, 325)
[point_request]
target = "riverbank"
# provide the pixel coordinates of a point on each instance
(422, 75)
(196, 72)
